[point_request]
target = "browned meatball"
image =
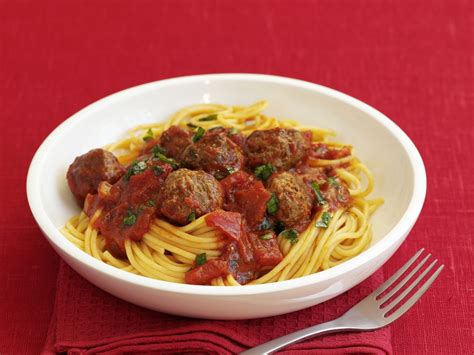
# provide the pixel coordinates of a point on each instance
(214, 153)
(174, 141)
(294, 201)
(188, 194)
(281, 147)
(88, 170)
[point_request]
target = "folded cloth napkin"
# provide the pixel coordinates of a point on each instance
(89, 320)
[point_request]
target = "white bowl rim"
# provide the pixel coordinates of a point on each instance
(399, 231)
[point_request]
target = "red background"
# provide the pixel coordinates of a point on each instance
(412, 60)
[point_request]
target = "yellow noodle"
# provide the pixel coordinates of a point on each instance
(168, 252)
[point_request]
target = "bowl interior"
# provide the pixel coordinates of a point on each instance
(108, 120)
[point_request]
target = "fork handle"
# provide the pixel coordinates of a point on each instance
(316, 330)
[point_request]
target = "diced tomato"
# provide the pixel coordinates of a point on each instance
(246, 195)
(229, 223)
(322, 151)
(204, 274)
(252, 202)
(265, 251)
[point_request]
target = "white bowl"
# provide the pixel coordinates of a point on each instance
(395, 162)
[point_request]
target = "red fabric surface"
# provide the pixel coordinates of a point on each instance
(412, 60)
(87, 319)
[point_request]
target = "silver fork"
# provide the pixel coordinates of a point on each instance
(370, 313)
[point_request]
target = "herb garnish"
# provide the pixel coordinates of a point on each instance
(149, 135)
(198, 135)
(192, 216)
(201, 259)
(231, 169)
(332, 181)
(212, 117)
(135, 168)
(263, 172)
(324, 221)
(232, 131)
(174, 164)
(190, 125)
(158, 150)
(151, 203)
(272, 205)
(158, 170)
(317, 191)
(266, 236)
(291, 235)
(129, 219)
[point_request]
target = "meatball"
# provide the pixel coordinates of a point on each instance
(233, 134)
(174, 141)
(294, 201)
(214, 153)
(188, 194)
(282, 147)
(88, 170)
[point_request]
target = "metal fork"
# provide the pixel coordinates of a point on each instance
(371, 313)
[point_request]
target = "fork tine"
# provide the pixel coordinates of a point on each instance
(409, 288)
(395, 276)
(412, 300)
(404, 281)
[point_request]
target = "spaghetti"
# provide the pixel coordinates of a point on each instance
(168, 252)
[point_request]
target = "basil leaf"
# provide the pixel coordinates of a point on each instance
(201, 259)
(151, 203)
(291, 235)
(158, 150)
(192, 217)
(198, 135)
(174, 164)
(266, 236)
(263, 172)
(149, 135)
(212, 117)
(333, 182)
(130, 219)
(324, 221)
(272, 205)
(158, 170)
(135, 168)
(317, 191)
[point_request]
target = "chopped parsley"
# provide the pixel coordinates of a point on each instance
(324, 221)
(158, 170)
(317, 191)
(332, 181)
(192, 217)
(136, 167)
(231, 169)
(192, 126)
(212, 117)
(266, 236)
(149, 135)
(198, 135)
(151, 203)
(263, 172)
(201, 259)
(158, 150)
(174, 164)
(232, 131)
(129, 219)
(291, 235)
(272, 205)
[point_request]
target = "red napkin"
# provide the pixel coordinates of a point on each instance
(89, 320)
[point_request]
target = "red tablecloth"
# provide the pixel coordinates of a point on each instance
(413, 60)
